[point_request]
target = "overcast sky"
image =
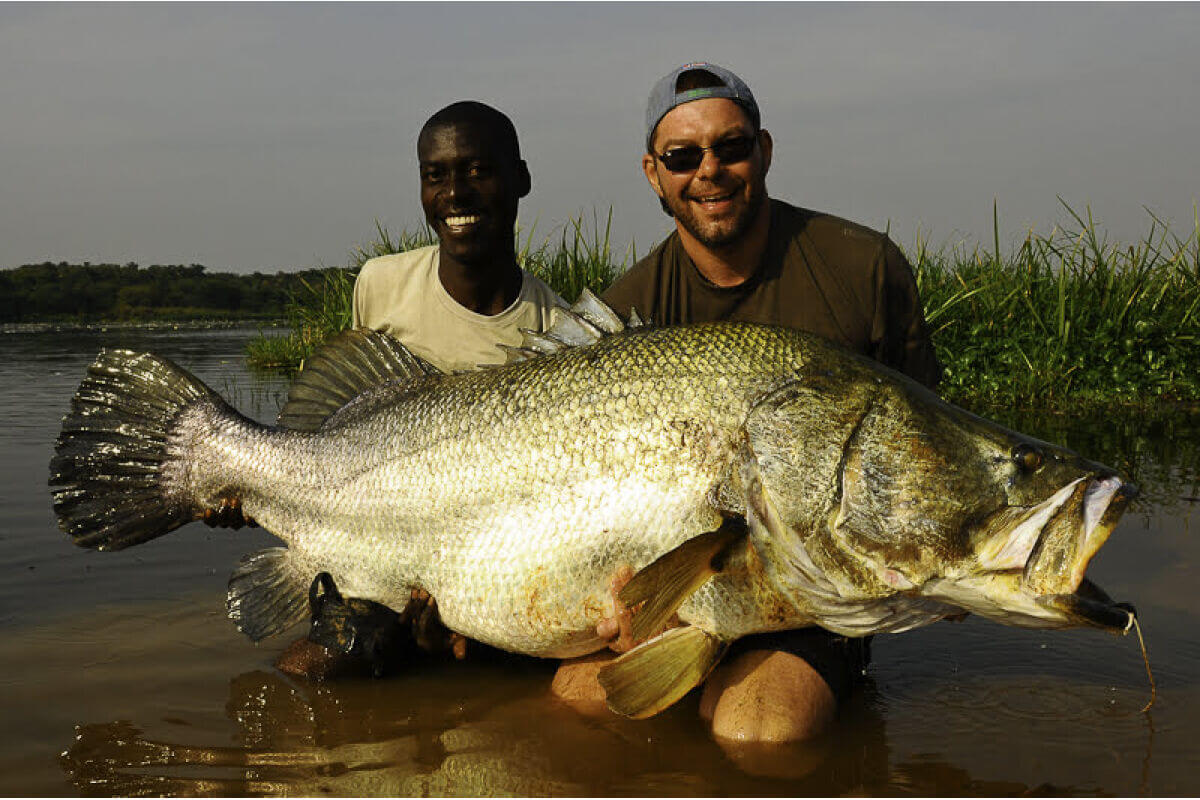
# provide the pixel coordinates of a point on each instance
(270, 137)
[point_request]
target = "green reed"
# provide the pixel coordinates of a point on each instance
(1068, 321)
(580, 259)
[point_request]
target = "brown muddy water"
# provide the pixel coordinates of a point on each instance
(119, 674)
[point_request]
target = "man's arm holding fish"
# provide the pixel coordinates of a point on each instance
(451, 305)
(736, 254)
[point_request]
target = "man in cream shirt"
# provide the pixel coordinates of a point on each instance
(452, 303)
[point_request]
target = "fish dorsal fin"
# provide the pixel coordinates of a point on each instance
(589, 320)
(597, 311)
(347, 365)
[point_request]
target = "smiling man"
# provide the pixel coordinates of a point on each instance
(736, 254)
(453, 302)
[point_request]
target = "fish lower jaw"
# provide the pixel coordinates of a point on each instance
(1003, 599)
(1117, 618)
(994, 597)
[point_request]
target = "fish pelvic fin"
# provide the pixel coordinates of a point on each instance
(662, 586)
(109, 470)
(588, 320)
(268, 593)
(347, 365)
(654, 675)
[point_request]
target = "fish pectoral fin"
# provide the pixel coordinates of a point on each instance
(662, 586)
(268, 593)
(656, 674)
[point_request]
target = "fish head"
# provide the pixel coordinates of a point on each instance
(1028, 558)
(891, 490)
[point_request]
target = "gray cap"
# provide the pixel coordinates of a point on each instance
(663, 97)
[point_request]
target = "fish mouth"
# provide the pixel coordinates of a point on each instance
(1053, 543)
(1055, 572)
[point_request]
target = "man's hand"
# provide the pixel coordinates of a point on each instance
(618, 629)
(420, 615)
(228, 515)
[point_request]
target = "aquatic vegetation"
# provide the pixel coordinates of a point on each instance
(1068, 321)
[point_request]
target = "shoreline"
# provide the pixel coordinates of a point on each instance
(145, 325)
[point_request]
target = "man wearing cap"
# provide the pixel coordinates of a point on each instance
(736, 254)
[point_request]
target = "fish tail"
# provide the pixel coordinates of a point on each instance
(119, 458)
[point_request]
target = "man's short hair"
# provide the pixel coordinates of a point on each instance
(472, 112)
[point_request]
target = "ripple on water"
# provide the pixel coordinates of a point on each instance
(982, 677)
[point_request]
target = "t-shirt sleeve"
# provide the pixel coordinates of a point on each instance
(906, 346)
(548, 304)
(356, 305)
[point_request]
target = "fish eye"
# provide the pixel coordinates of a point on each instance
(1028, 457)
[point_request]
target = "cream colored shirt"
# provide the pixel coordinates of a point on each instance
(401, 294)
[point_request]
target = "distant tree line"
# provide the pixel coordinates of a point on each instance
(118, 292)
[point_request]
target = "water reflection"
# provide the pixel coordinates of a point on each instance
(352, 739)
(1159, 450)
(359, 738)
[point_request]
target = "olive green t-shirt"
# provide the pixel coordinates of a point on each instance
(819, 273)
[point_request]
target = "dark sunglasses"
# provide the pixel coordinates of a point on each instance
(727, 151)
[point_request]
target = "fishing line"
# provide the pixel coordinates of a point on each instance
(1146, 659)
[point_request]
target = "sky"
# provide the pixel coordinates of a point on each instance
(272, 136)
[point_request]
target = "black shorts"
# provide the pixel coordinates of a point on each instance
(842, 661)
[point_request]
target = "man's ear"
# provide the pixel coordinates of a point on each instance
(767, 145)
(649, 168)
(524, 182)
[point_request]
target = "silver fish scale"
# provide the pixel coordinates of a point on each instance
(511, 494)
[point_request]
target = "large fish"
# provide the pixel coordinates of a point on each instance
(756, 477)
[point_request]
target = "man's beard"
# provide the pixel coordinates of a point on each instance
(722, 232)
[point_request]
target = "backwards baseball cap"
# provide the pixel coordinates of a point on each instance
(664, 96)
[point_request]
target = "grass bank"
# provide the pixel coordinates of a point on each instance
(1064, 322)
(1067, 322)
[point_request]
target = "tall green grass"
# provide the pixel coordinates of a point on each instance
(581, 258)
(1068, 321)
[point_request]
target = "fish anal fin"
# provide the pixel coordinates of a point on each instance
(347, 365)
(654, 675)
(662, 586)
(268, 593)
